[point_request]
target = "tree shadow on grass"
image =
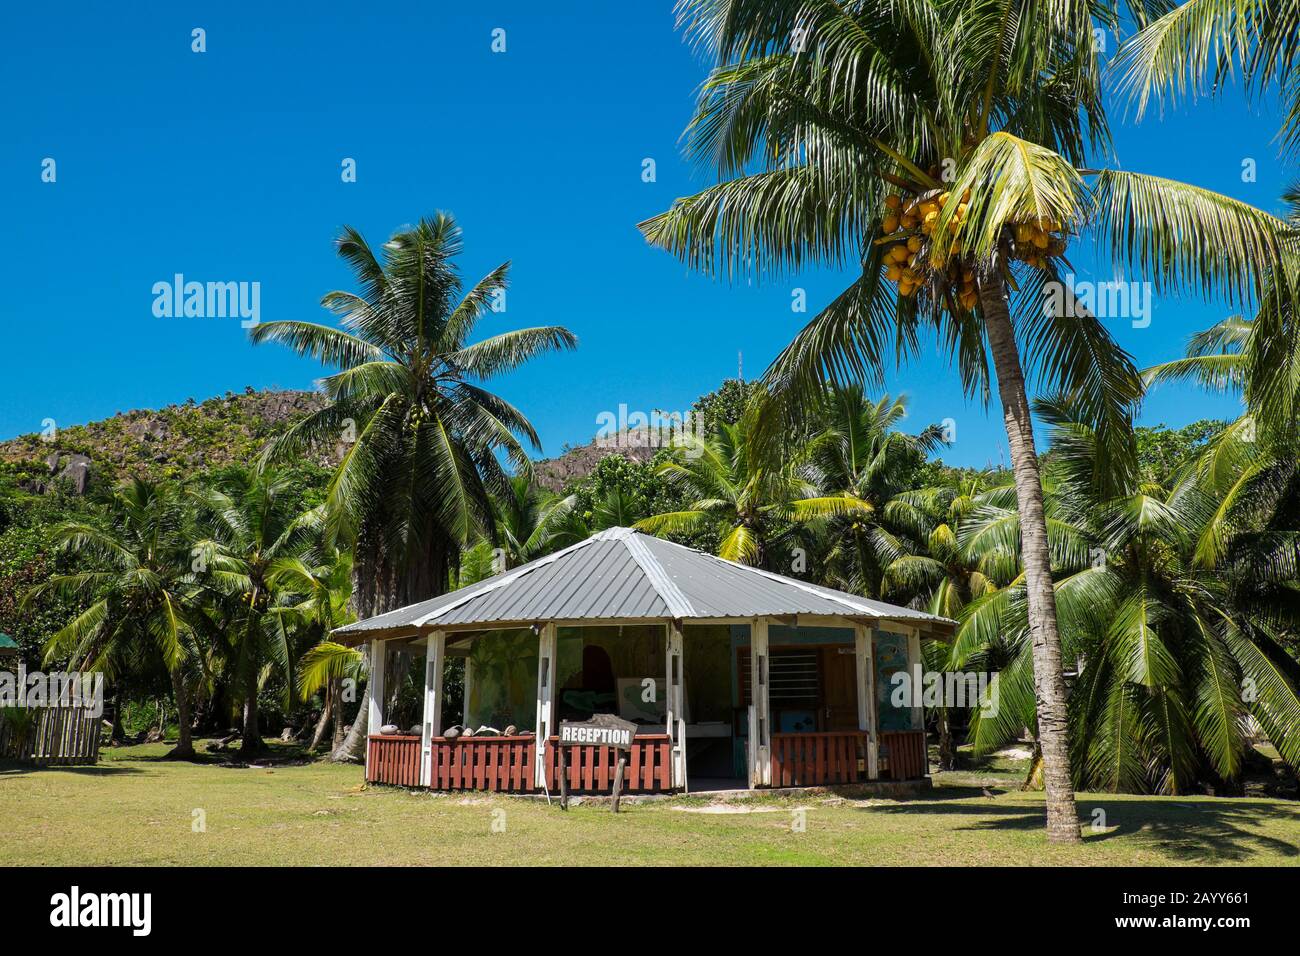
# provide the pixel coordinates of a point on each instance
(11, 768)
(1189, 830)
(1185, 830)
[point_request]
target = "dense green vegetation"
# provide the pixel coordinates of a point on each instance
(218, 545)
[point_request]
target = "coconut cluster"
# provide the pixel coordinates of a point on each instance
(1035, 242)
(909, 226)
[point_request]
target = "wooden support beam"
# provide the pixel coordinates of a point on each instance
(467, 684)
(378, 664)
(864, 659)
(675, 719)
(760, 730)
(434, 659)
(547, 652)
(915, 668)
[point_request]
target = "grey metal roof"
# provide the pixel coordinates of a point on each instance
(623, 574)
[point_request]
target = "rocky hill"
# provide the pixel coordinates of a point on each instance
(174, 442)
(179, 441)
(574, 463)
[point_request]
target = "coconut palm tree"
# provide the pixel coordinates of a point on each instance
(859, 452)
(1201, 43)
(945, 151)
(530, 521)
(1173, 653)
(940, 574)
(322, 593)
(140, 585)
(251, 522)
(421, 434)
(736, 492)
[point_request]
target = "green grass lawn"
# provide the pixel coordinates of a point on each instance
(134, 808)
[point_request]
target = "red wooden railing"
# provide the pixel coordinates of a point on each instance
(501, 764)
(506, 764)
(394, 760)
(903, 755)
(819, 759)
(591, 769)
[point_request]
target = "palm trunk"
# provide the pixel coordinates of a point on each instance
(252, 736)
(319, 733)
(184, 748)
(947, 753)
(118, 733)
(336, 696)
(379, 585)
(352, 749)
(1049, 680)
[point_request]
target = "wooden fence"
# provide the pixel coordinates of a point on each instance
(591, 769)
(506, 764)
(500, 764)
(819, 759)
(903, 755)
(835, 757)
(394, 759)
(58, 737)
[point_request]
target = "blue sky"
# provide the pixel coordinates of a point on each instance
(225, 166)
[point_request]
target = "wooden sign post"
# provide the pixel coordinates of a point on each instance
(603, 730)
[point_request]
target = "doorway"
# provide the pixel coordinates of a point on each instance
(839, 689)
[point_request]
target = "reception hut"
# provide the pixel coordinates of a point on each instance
(735, 677)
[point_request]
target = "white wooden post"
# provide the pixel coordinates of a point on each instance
(434, 656)
(547, 650)
(916, 668)
(675, 718)
(761, 730)
(467, 684)
(862, 651)
(378, 662)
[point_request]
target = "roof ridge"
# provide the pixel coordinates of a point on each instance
(505, 578)
(829, 593)
(679, 605)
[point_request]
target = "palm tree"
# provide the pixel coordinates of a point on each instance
(1173, 652)
(530, 520)
(1202, 42)
(421, 434)
(943, 149)
(737, 493)
(251, 521)
(322, 592)
(940, 574)
(140, 588)
(859, 452)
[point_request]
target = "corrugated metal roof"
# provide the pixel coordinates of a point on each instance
(622, 574)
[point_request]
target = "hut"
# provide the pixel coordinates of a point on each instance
(735, 677)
